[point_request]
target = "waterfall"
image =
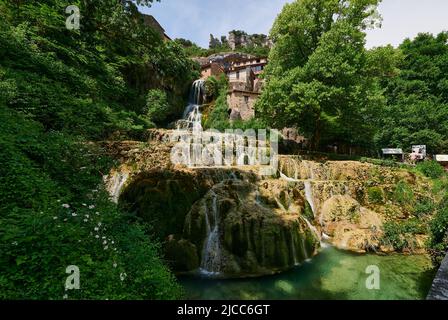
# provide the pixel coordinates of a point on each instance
(294, 252)
(116, 184)
(257, 198)
(211, 256)
(309, 196)
(192, 117)
(312, 228)
(305, 253)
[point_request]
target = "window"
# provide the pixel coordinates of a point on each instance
(237, 74)
(246, 99)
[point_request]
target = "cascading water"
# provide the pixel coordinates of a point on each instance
(211, 256)
(117, 181)
(309, 196)
(192, 117)
(293, 247)
(308, 193)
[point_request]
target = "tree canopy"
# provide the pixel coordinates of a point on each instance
(319, 78)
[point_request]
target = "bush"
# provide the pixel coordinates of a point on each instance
(157, 107)
(438, 243)
(212, 88)
(431, 169)
(403, 193)
(424, 207)
(375, 195)
(54, 213)
(401, 235)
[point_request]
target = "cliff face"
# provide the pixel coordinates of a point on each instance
(230, 222)
(239, 39)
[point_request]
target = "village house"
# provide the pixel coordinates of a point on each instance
(244, 87)
(443, 160)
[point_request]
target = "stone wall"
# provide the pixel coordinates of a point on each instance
(439, 289)
(242, 104)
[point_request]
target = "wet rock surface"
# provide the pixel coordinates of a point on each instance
(231, 222)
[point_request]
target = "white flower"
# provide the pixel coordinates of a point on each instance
(87, 216)
(15, 243)
(123, 276)
(97, 213)
(96, 229)
(66, 206)
(99, 224)
(113, 242)
(104, 237)
(105, 242)
(55, 218)
(74, 214)
(59, 201)
(85, 220)
(65, 296)
(91, 207)
(84, 205)
(115, 264)
(106, 247)
(97, 236)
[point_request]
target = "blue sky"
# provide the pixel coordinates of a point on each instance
(196, 19)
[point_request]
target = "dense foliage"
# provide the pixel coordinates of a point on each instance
(60, 88)
(417, 108)
(319, 77)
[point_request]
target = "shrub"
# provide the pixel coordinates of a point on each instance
(54, 213)
(212, 88)
(439, 234)
(401, 235)
(157, 107)
(375, 195)
(403, 193)
(424, 207)
(431, 169)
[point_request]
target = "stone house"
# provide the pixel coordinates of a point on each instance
(211, 69)
(244, 87)
(242, 104)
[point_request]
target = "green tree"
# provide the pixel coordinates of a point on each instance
(319, 78)
(417, 99)
(157, 107)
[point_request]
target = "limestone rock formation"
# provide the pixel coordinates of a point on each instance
(231, 222)
(237, 232)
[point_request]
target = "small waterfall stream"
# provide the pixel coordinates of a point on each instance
(309, 196)
(310, 176)
(294, 251)
(211, 256)
(192, 117)
(117, 182)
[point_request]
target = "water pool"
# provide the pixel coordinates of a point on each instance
(333, 274)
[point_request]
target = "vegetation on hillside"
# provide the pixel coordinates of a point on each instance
(59, 89)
